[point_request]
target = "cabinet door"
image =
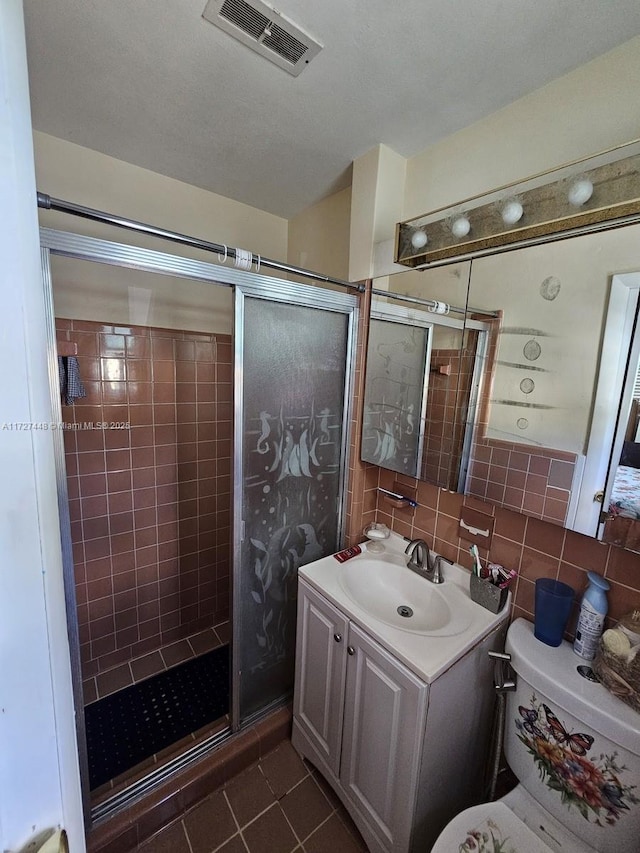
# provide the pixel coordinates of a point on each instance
(320, 673)
(385, 712)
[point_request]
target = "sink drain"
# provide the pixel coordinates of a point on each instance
(403, 610)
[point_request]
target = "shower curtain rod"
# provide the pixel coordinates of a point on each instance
(430, 303)
(47, 203)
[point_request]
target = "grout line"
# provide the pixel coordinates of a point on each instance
(235, 820)
(184, 829)
(295, 834)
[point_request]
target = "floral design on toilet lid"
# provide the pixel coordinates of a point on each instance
(488, 837)
(593, 784)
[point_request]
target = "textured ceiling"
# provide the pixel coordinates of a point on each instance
(152, 83)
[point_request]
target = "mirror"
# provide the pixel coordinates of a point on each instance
(396, 387)
(549, 377)
(540, 440)
(415, 372)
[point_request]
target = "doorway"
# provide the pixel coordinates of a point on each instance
(152, 544)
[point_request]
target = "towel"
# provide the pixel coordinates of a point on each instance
(71, 386)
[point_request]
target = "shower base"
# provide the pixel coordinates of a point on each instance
(140, 721)
(122, 832)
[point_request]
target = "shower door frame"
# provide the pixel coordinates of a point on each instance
(321, 299)
(97, 250)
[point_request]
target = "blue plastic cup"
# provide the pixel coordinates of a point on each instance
(552, 610)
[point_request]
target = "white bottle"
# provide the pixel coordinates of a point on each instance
(591, 620)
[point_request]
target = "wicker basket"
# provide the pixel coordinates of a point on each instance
(619, 676)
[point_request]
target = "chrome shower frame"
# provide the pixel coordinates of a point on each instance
(79, 247)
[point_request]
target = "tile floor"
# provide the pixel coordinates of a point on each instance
(152, 664)
(279, 805)
(138, 669)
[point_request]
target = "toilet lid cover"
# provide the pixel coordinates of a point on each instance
(488, 828)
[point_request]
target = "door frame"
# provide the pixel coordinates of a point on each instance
(77, 246)
(616, 343)
(308, 296)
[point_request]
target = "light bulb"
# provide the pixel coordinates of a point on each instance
(419, 239)
(460, 226)
(512, 212)
(580, 192)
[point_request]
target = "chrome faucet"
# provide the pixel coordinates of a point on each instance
(421, 561)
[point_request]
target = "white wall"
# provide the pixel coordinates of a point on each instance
(93, 292)
(376, 205)
(570, 329)
(319, 236)
(39, 781)
(588, 110)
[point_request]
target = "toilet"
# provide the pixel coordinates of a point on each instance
(575, 750)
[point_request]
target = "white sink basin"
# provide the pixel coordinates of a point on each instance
(368, 589)
(401, 598)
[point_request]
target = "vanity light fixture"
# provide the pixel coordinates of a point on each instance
(576, 198)
(419, 239)
(580, 192)
(511, 211)
(460, 226)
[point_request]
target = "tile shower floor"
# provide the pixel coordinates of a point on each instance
(142, 668)
(138, 669)
(279, 805)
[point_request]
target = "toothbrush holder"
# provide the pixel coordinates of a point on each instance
(487, 594)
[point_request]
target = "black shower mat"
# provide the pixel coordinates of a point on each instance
(138, 721)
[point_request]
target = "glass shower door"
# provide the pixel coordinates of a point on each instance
(292, 375)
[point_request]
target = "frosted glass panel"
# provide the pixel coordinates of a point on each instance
(294, 371)
(395, 391)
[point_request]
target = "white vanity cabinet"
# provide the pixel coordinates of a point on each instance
(402, 755)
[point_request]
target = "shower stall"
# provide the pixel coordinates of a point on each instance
(203, 464)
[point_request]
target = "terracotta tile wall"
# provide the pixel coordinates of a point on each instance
(533, 480)
(149, 502)
(444, 423)
(533, 547)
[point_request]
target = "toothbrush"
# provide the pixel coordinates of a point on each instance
(505, 583)
(477, 568)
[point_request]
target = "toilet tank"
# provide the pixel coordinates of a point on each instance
(572, 744)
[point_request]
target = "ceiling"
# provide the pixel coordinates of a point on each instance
(153, 83)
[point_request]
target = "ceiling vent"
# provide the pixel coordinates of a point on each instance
(265, 31)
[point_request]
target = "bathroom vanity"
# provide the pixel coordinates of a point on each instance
(395, 713)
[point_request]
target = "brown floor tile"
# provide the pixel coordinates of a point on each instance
(248, 795)
(283, 769)
(325, 787)
(351, 828)
(210, 824)
(114, 679)
(204, 641)
(331, 837)
(223, 630)
(177, 652)
(270, 833)
(234, 845)
(171, 839)
(89, 691)
(305, 807)
(147, 665)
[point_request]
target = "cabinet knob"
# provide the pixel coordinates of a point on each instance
(351, 650)
(337, 638)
